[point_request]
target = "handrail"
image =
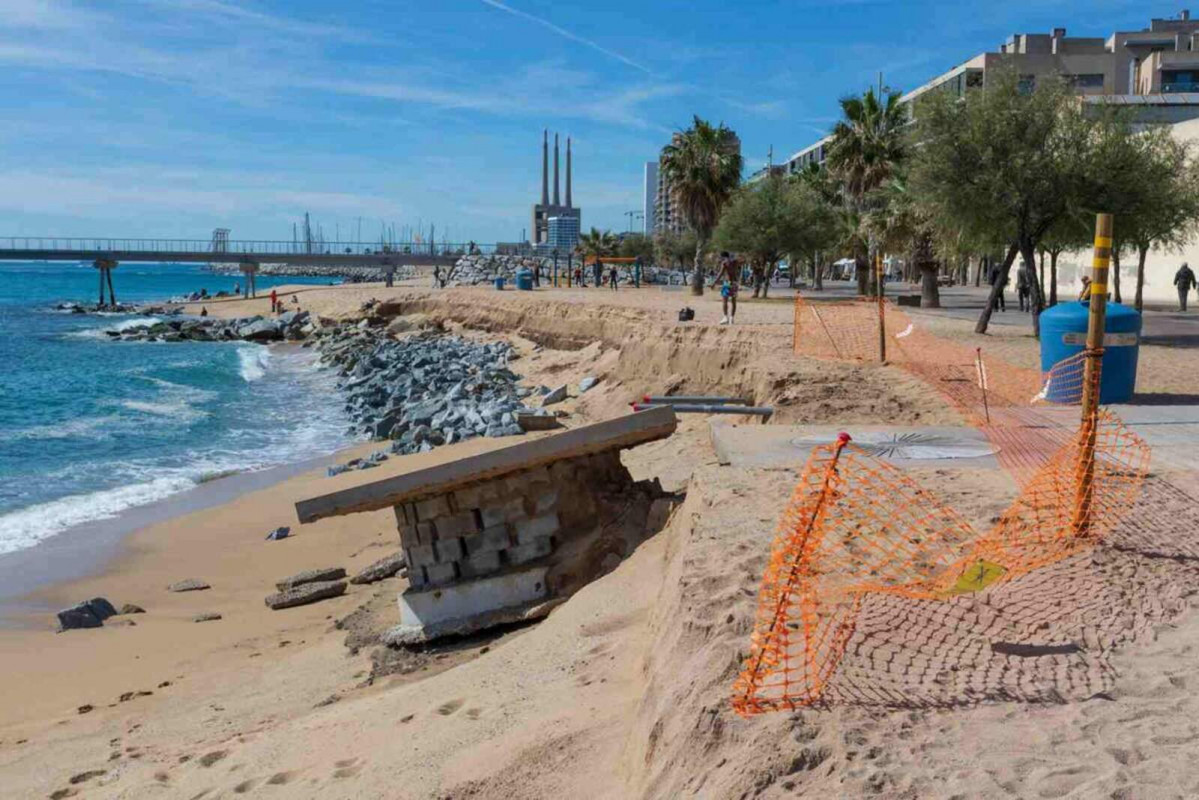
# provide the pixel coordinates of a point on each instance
(238, 247)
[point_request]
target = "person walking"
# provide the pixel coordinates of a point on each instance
(729, 272)
(1184, 279)
(274, 300)
(1023, 289)
(612, 277)
(637, 273)
(994, 279)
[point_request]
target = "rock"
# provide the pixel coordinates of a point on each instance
(130, 608)
(78, 616)
(306, 593)
(101, 608)
(281, 532)
(311, 576)
(189, 585)
(336, 469)
(85, 708)
(555, 396)
(210, 616)
(587, 383)
(264, 330)
(383, 568)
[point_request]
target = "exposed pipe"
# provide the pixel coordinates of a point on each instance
(764, 412)
(693, 400)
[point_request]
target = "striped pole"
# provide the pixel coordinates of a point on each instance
(1088, 431)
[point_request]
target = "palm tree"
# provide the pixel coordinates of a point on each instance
(867, 146)
(597, 243)
(702, 166)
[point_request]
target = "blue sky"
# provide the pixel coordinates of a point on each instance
(171, 117)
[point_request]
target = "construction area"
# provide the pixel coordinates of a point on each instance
(979, 591)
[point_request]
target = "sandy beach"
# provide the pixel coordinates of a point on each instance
(620, 692)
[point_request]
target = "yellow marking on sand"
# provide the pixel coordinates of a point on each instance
(976, 578)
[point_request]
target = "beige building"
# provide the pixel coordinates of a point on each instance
(1155, 70)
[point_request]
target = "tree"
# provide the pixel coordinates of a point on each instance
(767, 220)
(702, 166)
(636, 245)
(868, 145)
(597, 243)
(1170, 213)
(674, 249)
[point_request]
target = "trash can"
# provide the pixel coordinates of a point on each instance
(1064, 334)
(499, 283)
(524, 280)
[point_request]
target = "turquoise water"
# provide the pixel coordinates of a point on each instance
(90, 427)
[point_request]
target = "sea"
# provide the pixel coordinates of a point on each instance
(90, 428)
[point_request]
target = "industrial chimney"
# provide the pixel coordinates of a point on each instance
(556, 197)
(568, 203)
(545, 167)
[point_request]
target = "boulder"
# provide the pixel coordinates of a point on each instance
(264, 330)
(281, 532)
(311, 576)
(189, 585)
(209, 616)
(78, 616)
(555, 396)
(587, 383)
(383, 568)
(101, 608)
(130, 608)
(306, 593)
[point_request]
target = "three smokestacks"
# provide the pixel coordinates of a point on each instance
(545, 167)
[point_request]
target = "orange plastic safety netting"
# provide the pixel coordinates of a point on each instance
(856, 528)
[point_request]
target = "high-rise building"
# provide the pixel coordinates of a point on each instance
(667, 218)
(649, 196)
(539, 230)
(1154, 71)
(563, 234)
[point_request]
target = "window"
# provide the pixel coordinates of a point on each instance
(1027, 84)
(974, 79)
(1088, 81)
(1174, 81)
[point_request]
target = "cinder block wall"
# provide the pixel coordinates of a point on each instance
(531, 516)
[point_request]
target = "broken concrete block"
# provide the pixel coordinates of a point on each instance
(78, 616)
(306, 593)
(311, 576)
(555, 396)
(189, 585)
(383, 568)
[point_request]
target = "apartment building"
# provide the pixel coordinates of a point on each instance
(1155, 70)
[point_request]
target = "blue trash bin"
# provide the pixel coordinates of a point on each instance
(524, 280)
(499, 283)
(1064, 334)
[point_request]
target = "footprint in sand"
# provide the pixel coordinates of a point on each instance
(445, 709)
(347, 768)
(473, 713)
(244, 786)
(282, 778)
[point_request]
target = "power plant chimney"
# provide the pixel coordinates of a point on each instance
(545, 167)
(556, 199)
(568, 204)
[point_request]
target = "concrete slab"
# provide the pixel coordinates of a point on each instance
(765, 446)
(613, 434)
(460, 601)
(1171, 430)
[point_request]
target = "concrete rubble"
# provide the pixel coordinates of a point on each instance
(306, 593)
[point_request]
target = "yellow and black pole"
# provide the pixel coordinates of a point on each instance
(882, 321)
(1092, 374)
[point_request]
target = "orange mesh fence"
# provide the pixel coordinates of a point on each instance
(857, 527)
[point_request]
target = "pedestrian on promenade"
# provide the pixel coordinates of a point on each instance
(996, 278)
(274, 300)
(1184, 279)
(1023, 289)
(597, 272)
(612, 277)
(1084, 294)
(637, 273)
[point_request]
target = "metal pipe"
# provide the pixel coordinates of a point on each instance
(693, 399)
(694, 408)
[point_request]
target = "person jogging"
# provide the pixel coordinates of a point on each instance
(729, 273)
(1184, 280)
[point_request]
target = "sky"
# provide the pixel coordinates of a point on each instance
(168, 118)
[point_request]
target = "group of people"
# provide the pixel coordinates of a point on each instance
(611, 276)
(1024, 279)
(277, 305)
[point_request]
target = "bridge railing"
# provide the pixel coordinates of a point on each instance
(255, 247)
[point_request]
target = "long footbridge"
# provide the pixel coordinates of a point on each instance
(226, 251)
